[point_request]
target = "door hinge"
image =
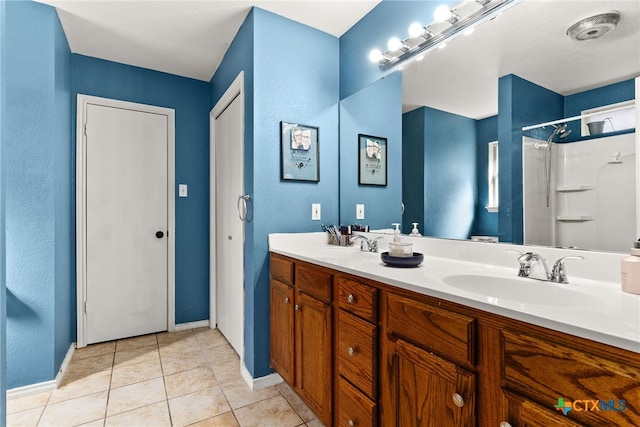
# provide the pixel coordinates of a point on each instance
(85, 129)
(85, 307)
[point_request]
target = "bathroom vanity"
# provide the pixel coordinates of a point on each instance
(365, 344)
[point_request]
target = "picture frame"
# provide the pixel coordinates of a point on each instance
(299, 152)
(372, 160)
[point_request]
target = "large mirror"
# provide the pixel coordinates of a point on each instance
(518, 69)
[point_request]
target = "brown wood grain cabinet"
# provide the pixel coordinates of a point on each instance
(364, 353)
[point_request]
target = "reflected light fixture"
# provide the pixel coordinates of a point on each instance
(448, 23)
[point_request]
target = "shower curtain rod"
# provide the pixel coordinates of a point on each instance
(570, 119)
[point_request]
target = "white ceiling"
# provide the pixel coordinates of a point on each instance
(186, 38)
(189, 38)
(528, 40)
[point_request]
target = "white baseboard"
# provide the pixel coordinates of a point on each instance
(192, 325)
(45, 385)
(259, 383)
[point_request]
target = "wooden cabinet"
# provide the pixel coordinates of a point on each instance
(301, 331)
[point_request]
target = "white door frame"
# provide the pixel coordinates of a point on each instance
(235, 90)
(81, 218)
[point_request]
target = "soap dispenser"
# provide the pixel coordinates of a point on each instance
(397, 248)
(414, 231)
(396, 232)
(630, 270)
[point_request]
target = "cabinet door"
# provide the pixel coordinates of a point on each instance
(525, 413)
(313, 354)
(282, 330)
(431, 391)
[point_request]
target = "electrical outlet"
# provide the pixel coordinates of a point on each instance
(315, 211)
(359, 211)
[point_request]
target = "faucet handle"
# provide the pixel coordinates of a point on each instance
(525, 267)
(374, 244)
(559, 271)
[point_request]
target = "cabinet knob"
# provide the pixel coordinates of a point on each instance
(505, 424)
(351, 351)
(458, 400)
(296, 307)
(351, 298)
(353, 423)
(286, 299)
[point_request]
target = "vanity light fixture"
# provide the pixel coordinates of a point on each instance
(448, 23)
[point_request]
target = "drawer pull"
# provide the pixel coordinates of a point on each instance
(296, 307)
(351, 351)
(353, 423)
(351, 298)
(505, 424)
(458, 400)
(286, 299)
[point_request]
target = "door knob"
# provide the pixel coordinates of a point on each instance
(159, 234)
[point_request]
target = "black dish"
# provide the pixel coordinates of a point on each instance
(404, 262)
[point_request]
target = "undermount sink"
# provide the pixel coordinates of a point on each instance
(521, 290)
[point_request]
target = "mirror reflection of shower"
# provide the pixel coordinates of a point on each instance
(562, 132)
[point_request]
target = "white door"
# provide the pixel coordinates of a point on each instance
(229, 227)
(126, 223)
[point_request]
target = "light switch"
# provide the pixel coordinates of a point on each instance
(182, 190)
(315, 211)
(360, 211)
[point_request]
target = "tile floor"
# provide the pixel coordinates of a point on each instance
(186, 378)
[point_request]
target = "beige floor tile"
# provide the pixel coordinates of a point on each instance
(271, 412)
(189, 381)
(173, 364)
(136, 342)
(296, 402)
(315, 423)
(19, 404)
(165, 337)
(197, 406)
(83, 386)
(239, 394)
(225, 420)
(90, 365)
(96, 423)
(210, 338)
(156, 415)
(180, 347)
(148, 354)
(135, 396)
(130, 374)
(227, 371)
(75, 411)
(26, 418)
(221, 354)
(94, 350)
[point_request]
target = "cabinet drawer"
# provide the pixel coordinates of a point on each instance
(448, 334)
(355, 409)
(281, 269)
(314, 282)
(545, 371)
(357, 352)
(357, 298)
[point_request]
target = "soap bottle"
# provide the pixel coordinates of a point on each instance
(396, 232)
(414, 231)
(630, 270)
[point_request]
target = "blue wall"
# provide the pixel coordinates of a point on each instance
(190, 100)
(485, 223)
(413, 131)
(3, 285)
(298, 82)
(375, 110)
(390, 18)
(520, 103)
(36, 178)
(447, 172)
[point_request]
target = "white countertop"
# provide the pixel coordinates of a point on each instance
(591, 306)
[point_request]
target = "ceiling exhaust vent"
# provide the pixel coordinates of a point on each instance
(594, 27)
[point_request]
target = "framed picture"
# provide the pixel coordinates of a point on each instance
(300, 156)
(372, 160)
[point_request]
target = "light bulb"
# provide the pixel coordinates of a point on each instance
(375, 55)
(442, 13)
(394, 44)
(416, 30)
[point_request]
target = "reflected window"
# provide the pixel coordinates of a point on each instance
(493, 177)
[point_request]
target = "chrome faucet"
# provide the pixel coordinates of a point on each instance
(534, 266)
(371, 244)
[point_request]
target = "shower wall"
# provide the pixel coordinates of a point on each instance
(594, 194)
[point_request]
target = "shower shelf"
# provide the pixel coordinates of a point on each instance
(575, 218)
(573, 188)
